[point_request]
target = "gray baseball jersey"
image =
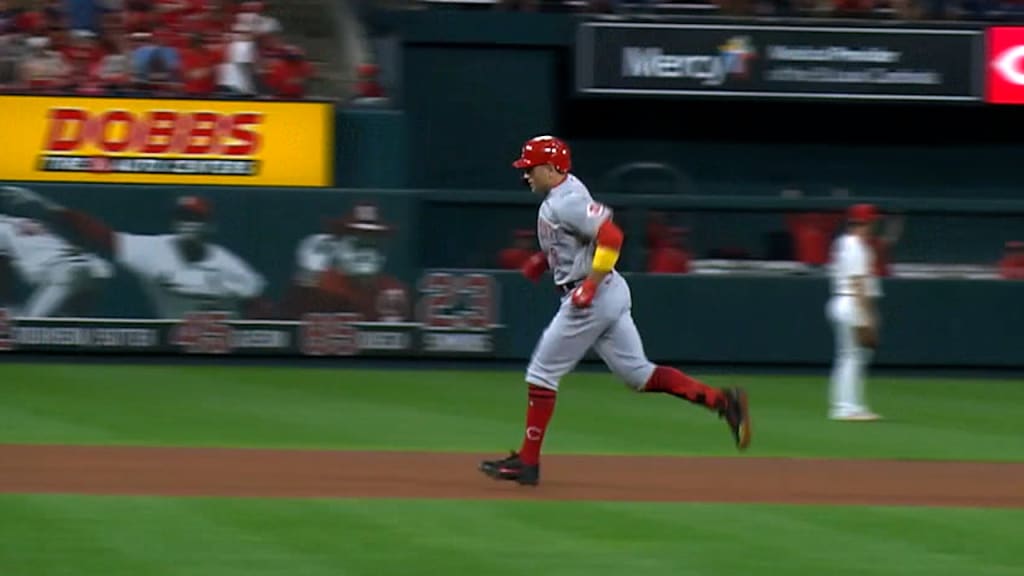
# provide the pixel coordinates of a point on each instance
(567, 223)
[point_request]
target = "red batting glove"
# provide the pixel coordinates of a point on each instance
(583, 295)
(535, 266)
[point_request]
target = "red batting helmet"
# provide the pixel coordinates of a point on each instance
(544, 150)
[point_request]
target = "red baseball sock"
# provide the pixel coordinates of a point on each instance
(672, 381)
(538, 413)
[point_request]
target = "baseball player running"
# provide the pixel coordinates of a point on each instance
(181, 272)
(853, 314)
(580, 244)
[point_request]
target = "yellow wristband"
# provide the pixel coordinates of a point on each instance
(604, 259)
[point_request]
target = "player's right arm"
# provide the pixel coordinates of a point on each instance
(862, 270)
(79, 228)
(86, 231)
(593, 222)
(857, 266)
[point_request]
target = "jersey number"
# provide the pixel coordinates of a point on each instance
(457, 302)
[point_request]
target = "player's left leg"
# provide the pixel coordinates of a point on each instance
(45, 300)
(845, 368)
(862, 359)
(864, 356)
(621, 348)
(64, 279)
(848, 373)
(562, 345)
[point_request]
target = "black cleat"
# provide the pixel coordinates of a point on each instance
(737, 416)
(512, 468)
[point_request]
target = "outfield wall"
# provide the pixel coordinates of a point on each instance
(285, 283)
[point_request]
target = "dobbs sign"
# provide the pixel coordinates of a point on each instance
(118, 140)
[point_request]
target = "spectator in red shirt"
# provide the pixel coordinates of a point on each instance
(368, 85)
(812, 235)
(217, 44)
(138, 16)
(170, 13)
(30, 22)
(215, 21)
(1011, 267)
(83, 56)
(811, 232)
(513, 257)
(199, 68)
(203, 20)
(368, 89)
(668, 253)
(289, 74)
(250, 7)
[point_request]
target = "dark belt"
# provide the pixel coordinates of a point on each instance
(569, 286)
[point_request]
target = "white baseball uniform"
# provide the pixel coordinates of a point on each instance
(320, 252)
(567, 224)
(177, 286)
(316, 253)
(54, 268)
(851, 258)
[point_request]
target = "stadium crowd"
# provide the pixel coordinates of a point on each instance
(167, 48)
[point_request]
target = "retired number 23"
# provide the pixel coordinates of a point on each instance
(457, 302)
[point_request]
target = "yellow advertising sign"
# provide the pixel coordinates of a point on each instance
(153, 141)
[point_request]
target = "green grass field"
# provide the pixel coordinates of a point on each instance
(482, 411)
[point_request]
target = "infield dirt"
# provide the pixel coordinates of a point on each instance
(107, 470)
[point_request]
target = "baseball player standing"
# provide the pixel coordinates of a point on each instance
(853, 314)
(580, 244)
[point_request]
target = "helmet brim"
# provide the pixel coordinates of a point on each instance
(522, 163)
